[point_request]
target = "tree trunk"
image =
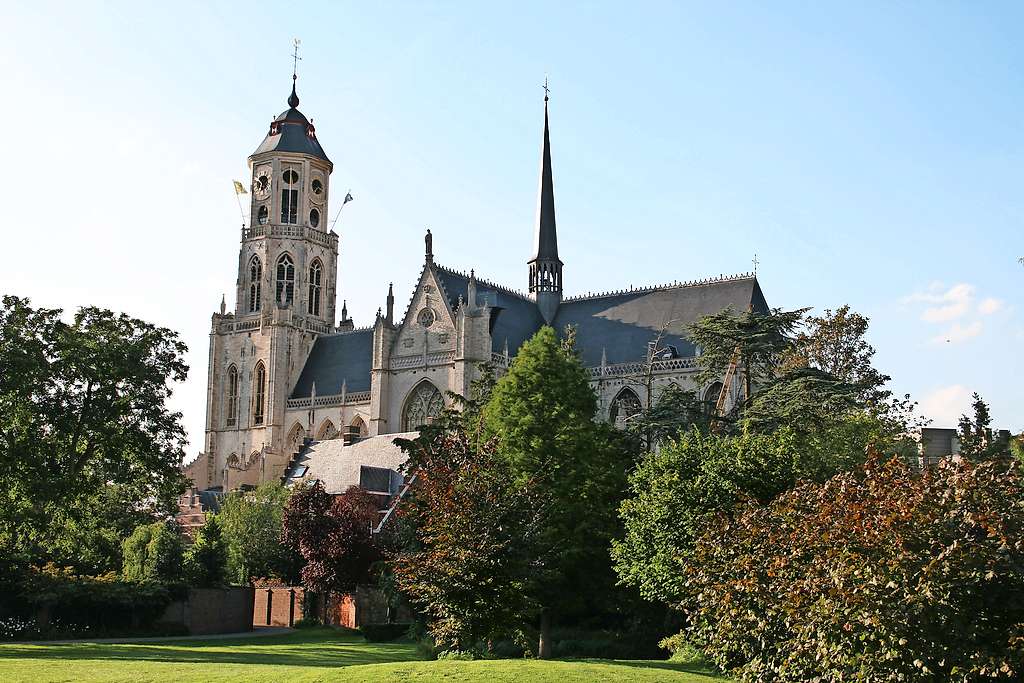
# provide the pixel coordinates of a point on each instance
(544, 646)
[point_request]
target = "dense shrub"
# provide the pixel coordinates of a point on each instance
(882, 574)
(383, 633)
(205, 561)
(154, 552)
(53, 602)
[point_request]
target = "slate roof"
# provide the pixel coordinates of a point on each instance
(346, 356)
(545, 244)
(513, 317)
(338, 466)
(623, 323)
(292, 132)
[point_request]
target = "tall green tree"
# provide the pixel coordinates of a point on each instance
(206, 559)
(541, 414)
(88, 447)
(251, 524)
(975, 434)
(758, 341)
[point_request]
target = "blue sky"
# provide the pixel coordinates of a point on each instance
(868, 153)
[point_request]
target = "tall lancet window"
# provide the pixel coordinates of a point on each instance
(315, 276)
(232, 407)
(285, 279)
(259, 392)
(255, 278)
(290, 197)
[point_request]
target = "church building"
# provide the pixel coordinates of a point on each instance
(286, 371)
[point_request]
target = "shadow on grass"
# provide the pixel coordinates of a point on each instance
(664, 664)
(316, 649)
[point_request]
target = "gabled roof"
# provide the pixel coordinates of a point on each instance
(622, 324)
(514, 317)
(335, 358)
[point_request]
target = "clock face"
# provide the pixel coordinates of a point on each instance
(317, 187)
(261, 182)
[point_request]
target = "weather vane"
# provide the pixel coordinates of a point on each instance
(547, 90)
(295, 58)
(755, 265)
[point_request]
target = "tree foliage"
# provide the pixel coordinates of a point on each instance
(206, 559)
(761, 341)
(675, 490)
(467, 564)
(333, 536)
(154, 553)
(541, 414)
(88, 447)
(882, 574)
(251, 524)
(975, 434)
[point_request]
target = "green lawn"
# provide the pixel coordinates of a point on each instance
(314, 655)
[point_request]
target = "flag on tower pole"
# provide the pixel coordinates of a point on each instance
(239, 191)
(346, 200)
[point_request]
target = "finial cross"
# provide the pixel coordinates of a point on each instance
(547, 90)
(295, 58)
(756, 262)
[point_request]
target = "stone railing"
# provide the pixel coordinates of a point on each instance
(293, 231)
(641, 368)
(421, 360)
(348, 398)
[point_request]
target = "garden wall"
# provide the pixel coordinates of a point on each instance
(213, 610)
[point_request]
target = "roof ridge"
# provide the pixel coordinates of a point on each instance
(338, 333)
(485, 282)
(676, 284)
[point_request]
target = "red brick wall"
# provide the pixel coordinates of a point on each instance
(213, 610)
(285, 606)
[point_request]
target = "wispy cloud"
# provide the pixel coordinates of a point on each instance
(990, 306)
(945, 304)
(956, 307)
(946, 404)
(958, 333)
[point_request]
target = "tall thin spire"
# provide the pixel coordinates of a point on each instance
(545, 267)
(546, 238)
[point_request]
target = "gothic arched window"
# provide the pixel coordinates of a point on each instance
(259, 392)
(285, 279)
(315, 276)
(423, 405)
(232, 411)
(625, 405)
(255, 278)
(295, 438)
(327, 431)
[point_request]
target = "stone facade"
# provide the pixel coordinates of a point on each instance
(281, 373)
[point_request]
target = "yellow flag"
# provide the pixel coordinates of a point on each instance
(239, 188)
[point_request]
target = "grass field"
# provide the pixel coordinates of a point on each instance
(313, 655)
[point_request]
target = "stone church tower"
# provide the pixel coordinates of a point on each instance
(286, 294)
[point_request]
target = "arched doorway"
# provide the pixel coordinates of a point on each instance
(711, 395)
(421, 407)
